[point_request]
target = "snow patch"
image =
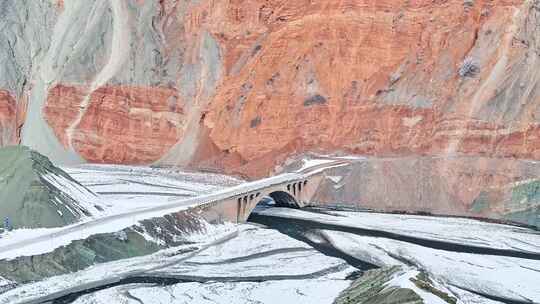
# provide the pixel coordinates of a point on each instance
(335, 179)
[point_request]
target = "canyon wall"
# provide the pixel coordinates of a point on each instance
(461, 185)
(385, 78)
(239, 86)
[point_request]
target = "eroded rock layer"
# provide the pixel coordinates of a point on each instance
(385, 78)
(8, 111)
(121, 124)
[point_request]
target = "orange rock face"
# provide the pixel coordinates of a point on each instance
(8, 119)
(444, 89)
(121, 124)
(371, 77)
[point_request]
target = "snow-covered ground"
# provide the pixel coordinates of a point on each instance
(314, 291)
(247, 263)
(114, 271)
(403, 280)
(127, 188)
(250, 264)
(273, 253)
(245, 256)
(84, 199)
(123, 212)
(119, 190)
(504, 277)
(450, 230)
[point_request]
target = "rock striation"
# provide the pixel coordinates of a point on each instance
(384, 78)
(122, 124)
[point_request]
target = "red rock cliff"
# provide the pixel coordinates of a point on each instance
(8, 119)
(241, 85)
(130, 125)
(377, 77)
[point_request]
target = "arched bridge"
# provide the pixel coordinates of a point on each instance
(233, 204)
(293, 194)
(287, 190)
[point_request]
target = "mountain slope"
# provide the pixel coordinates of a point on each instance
(35, 193)
(239, 87)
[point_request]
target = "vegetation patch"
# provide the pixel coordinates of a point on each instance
(527, 192)
(480, 204)
(423, 282)
(371, 288)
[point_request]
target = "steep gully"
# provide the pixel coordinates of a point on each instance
(297, 229)
(120, 42)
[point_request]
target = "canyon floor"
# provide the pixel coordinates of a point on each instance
(281, 255)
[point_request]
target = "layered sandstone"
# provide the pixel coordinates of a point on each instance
(8, 119)
(121, 124)
(380, 78)
(261, 80)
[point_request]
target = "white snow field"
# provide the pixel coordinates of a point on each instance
(302, 292)
(504, 277)
(248, 263)
(450, 230)
(124, 193)
(128, 188)
(245, 253)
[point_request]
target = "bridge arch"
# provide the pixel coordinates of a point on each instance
(291, 194)
(284, 199)
(280, 198)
